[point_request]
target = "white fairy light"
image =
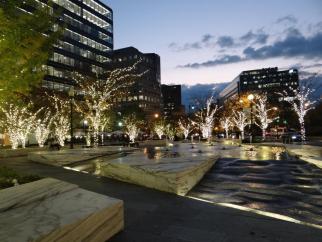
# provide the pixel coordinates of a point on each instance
(61, 121)
(240, 120)
(301, 104)
(132, 127)
(186, 127)
(226, 124)
(99, 95)
(206, 118)
(262, 113)
(18, 122)
(43, 128)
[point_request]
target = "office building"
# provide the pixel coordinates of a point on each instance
(269, 80)
(86, 42)
(172, 105)
(145, 93)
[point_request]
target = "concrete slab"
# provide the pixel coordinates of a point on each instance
(308, 153)
(62, 213)
(175, 170)
(70, 156)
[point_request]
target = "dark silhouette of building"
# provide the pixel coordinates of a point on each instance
(172, 105)
(86, 42)
(146, 91)
(268, 80)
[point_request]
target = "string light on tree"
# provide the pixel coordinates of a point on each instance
(226, 124)
(100, 94)
(301, 104)
(240, 120)
(186, 127)
(262, 113)
(43, 128)
(206, 118)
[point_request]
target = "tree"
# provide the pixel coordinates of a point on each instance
(43, 128)
(205, 118)
(60, 121)
(226, 124)
(25, 45)
(160, 128)
(301, 104)
(99, 95)
(186, 127)
(17, 121)
(262, 113)
(132, 128)
(240, 120)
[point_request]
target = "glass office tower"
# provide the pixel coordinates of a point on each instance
(86, 42)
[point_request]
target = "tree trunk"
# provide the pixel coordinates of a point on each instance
(226, 133)
(263, 134)
(302, 131)
(242, 134)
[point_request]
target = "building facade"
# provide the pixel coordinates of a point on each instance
(268, 80)
(172, 105)
(145, 93)
(86, 43)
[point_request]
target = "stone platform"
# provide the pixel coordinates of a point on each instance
(70, 156)
(175, 170)
(52, 210)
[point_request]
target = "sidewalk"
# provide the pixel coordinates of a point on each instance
(156, 216)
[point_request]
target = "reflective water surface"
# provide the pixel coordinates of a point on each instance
(265, 178)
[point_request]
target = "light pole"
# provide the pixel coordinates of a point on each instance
(71, 95)
(251, 98)
(85, 122)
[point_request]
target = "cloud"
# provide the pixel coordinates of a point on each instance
(206, 38)
(293, 45)
(256, 38)
(225, 41)
(289, 19)
(226, 59)
(188, 46)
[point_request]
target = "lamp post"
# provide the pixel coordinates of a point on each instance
(71, 95)
(85, 122)
(251, 98)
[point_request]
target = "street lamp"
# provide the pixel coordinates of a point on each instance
(251, 98)
(71, 94)
(156, 115)
(85, 123)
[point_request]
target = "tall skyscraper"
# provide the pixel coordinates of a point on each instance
(86, 42)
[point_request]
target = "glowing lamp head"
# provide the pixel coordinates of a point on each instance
(156, 115)
(250, 97)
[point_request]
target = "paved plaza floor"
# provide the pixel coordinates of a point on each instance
(157, 216)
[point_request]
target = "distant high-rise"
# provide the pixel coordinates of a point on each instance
(86, 42)
(269, 80)
(146, 91)
(172, 105)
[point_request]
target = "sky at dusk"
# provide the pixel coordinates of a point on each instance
(210, 41)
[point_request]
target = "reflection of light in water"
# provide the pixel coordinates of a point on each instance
(277, 151)
(260, 212)
(73, 169)
(251, 152)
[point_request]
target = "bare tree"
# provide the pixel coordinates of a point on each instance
(240, 121)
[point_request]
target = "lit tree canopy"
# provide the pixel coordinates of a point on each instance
(240, 120)
(262, 113)
(205, 118)
(100, 94)
(24, 48)
(186, 127)
(226, 124)
(17, 121)
(301, 104)
(132, 128)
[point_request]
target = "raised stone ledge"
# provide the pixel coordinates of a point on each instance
(64, 213)
(174, 175)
